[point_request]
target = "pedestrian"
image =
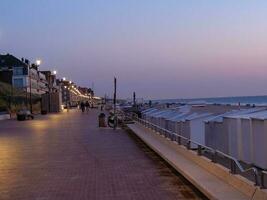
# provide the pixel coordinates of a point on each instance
(87, 105)
(68, 106)
(82, 106)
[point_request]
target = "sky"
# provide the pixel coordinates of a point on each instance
(158, 48)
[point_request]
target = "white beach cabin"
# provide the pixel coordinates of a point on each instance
(259, 135)
(172, 122)
(215, 136)
(217, 129)
(148, 112)
(193, 127)
(164, 118)
(236, 131)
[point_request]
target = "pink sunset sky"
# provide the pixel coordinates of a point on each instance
(160, 49)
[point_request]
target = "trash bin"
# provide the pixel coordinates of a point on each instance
(21, 117)
(43, 112)
(102, 120)
(24, 114)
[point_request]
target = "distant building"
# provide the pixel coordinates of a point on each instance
(14, 71)
(51, 83)
(52, 99)
(42, 83)
(86, 91)
(73, 95)
(21, 74)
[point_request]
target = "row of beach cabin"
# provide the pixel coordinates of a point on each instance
(238, 132)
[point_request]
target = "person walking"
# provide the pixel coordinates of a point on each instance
(87, 105)
(82, 106)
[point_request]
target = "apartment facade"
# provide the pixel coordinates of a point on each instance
(22, 75)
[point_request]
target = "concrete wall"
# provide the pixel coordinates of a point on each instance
(226, 186)
(4, 116)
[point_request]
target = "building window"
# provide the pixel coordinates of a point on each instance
(18, 71)
(18, 82)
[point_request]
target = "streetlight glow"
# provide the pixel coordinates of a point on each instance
(54, 72)
(38, 62)
(63, 78)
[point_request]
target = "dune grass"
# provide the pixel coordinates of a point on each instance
(13, 99)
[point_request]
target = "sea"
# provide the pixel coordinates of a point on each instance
(243, 100)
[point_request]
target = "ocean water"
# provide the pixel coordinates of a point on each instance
(243, 100)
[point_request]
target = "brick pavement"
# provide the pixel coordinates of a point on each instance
(67, 157)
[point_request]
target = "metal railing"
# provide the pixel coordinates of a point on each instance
(235, 165)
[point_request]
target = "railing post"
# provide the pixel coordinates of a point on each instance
(262, 181)
(165, 133)
(162, 132)
(199, 150)
(256, 178)
(171, 136)
(179, 140)
(214, 157)
(188, 144)
(233, 167)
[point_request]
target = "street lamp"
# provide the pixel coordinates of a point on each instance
(50, 88)
(38, 62)
(63, 78)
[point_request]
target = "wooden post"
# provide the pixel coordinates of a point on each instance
(114, 102)
(30, 76)
(134, 99)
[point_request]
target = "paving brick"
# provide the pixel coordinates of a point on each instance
(67, 157)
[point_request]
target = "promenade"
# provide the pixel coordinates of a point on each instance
(67, 157)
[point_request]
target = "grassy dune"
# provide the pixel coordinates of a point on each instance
(13, 99)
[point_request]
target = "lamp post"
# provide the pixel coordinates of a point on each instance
(114, 102)
(38, 63)
(134, 99)
(50, 88)
(30, 77)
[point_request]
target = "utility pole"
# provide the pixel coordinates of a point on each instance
(105, 99)
(134, 99)
(93, 86)
(30, 77)
(114, 102)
